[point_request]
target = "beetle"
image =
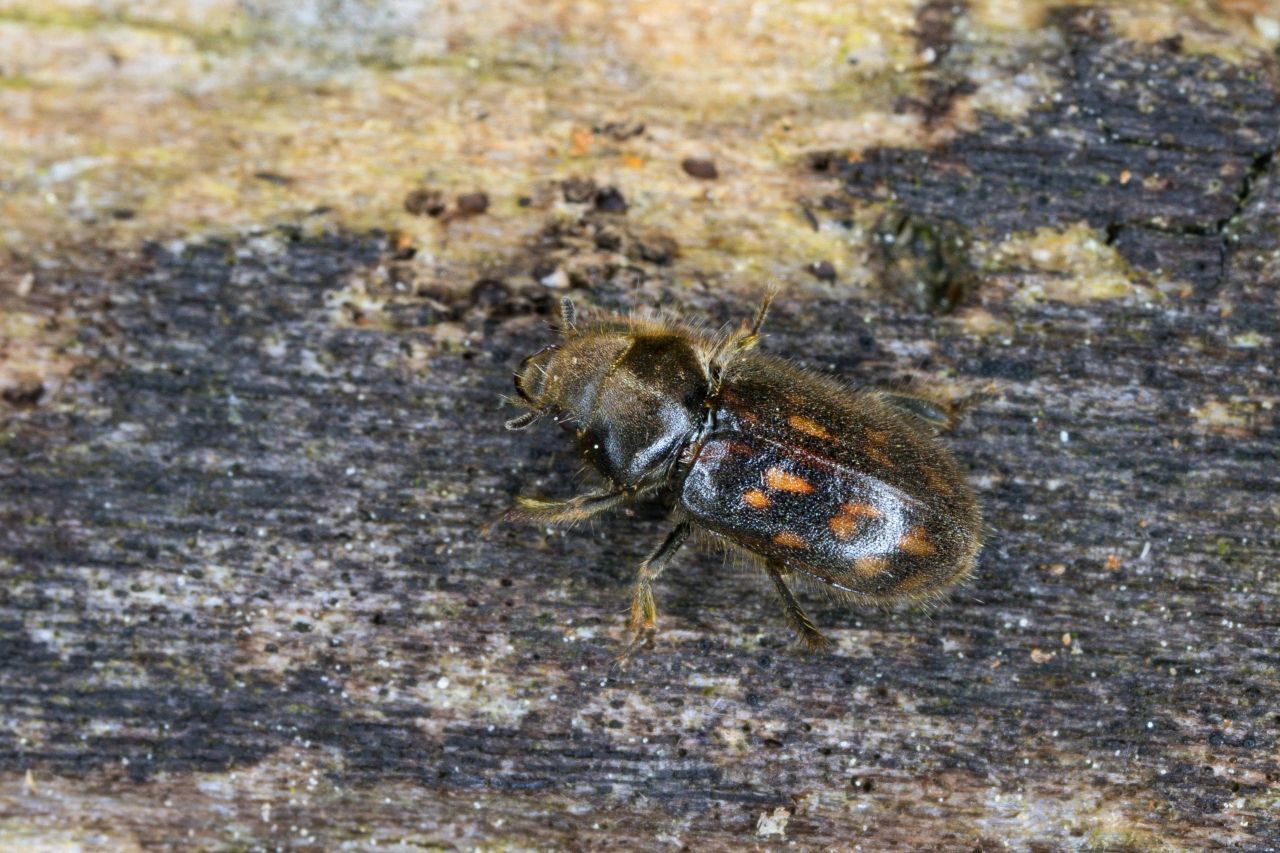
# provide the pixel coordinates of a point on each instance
(847, 489)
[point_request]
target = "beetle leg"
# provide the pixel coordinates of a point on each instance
(644, 613)
(567, 512)
(936, 415)
(808, 634)
(940, 415)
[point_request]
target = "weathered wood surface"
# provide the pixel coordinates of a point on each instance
(252, 597)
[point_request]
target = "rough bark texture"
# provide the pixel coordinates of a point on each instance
(254, 594)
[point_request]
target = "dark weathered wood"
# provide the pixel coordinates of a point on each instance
(255, 593)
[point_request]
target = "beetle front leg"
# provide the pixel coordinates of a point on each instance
(567, 511)
(809, 635)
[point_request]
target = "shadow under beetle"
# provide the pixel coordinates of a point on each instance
(847, 489)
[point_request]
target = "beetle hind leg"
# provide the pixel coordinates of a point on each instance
(936, 415)
(810, 637)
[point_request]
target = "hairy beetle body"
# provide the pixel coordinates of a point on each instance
(850, 490)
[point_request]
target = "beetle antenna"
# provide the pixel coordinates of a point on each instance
(568, 315)
(769, 295)
(522, 421)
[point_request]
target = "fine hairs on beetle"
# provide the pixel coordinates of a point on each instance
(848, 489)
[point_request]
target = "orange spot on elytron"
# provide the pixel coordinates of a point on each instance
(755, 498)
(877, 436)
(876, 455)
(790, 540)
(869, 567)
(844, 524)
(804, 425)
(916, 543)
(785, 481)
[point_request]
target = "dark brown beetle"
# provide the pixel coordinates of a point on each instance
(845, 488)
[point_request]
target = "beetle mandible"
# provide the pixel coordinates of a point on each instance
(847, 489)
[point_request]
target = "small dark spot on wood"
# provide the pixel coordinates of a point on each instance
(823, 162)
(273, 178)
(619, 131)
(700, 168)
(822, 270)
(610, 200)
(24, 394)
(472, 204)
(425, 202)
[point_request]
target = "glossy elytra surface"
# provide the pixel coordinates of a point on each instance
(840, 486)
(850, 490)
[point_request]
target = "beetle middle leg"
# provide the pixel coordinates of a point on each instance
(809, 635)
(644, 613)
